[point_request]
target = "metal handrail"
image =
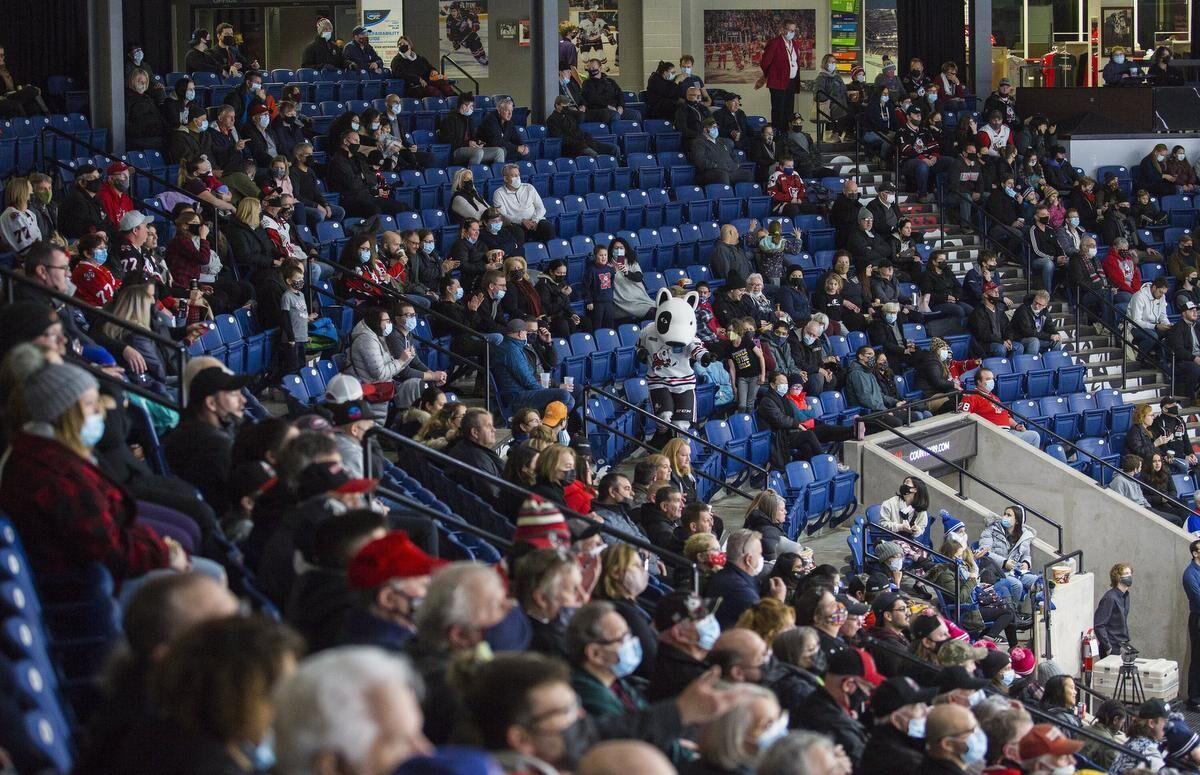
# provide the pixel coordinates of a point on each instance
(672, 427)
(1046, 587)
(901, 538)
(1117, 471)
(1034, 711)
(666, 555)
(446, 59)
(907, 408)
(438, 516)
(892, 136)
(1157, 341)
(962, 472)
(16, 278)
(702, 474)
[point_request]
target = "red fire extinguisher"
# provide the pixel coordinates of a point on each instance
(1089, 650)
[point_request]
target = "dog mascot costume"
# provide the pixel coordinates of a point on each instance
(669, 346)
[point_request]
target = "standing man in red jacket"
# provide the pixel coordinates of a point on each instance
(781, 71)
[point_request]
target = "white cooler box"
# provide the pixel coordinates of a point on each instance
(1160, 677)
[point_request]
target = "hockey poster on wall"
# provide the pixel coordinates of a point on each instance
(597, 33)
(463, 34)
(734, 41)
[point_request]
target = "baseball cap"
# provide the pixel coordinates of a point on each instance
(196, 111)
(846, 662)
(884, 602)
(213, 380)
(321, 478)
(797, 117)
(853, 607)
(876, 582)
(1047, 740)
(1154, 708)
(957, 677)
(887, 188)
(360, 30)
(350, 412)
(343, 388)
(955, 652)
(116, 168)
(394, 556)
(896, 692)
(517, 325)
(923, 626)
(915, 108)
(258, 109)
(312, 422)
(990, 286)
(681, 606)
(133, 219)
(554, 413)
(1005, 82)
(1189, 305)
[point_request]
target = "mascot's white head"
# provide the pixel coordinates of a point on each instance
(675, 318)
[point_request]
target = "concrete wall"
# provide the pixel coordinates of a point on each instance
(1108, 528)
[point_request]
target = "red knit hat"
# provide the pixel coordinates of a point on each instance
(1023, 660)
(541, 524)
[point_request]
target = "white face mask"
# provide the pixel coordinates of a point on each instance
(327, 34)
(895, 563)
(790, 35)
(264, 120)
(1091, 252)
(831, 67)
(758, 566)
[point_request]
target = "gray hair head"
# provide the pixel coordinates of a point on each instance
(738, 541)
(450, 599)
(790, 755)
(723, 740)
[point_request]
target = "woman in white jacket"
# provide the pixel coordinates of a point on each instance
(371, 359)
(907, 513)
(18, 224)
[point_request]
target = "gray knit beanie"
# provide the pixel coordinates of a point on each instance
(52, 390)
(886, 550)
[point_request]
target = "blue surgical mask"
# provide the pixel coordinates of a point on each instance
(976, 747)
(458, 293)
(1006, 523)
(1007, 677)
(976, 697)
(99, 256)
(809, 339)
(495, 227)
(916, 728)
(92, 430)
(1010, 191)
(988, 384)
(364, 256)
(884, 99)
(410, 323)
(781, 389)
(707, 631)
(469, 111)
(204, 125)
(189, 95)
(427, 247)
(1074, 222)
(932, 97)
(355, 125)
(713, 132)
(387, 329)
(890, 317)
(773, 733)
(831, 67)
(789, 35)
(1119, 59)
(500, 294)
(629, 656)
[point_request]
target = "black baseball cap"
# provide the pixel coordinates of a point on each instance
(213, 380)
(883, 603)
(957, 677)
(1154, 708)
(682, 606)
(876, 583)
(924, 625)
(896, 692)
(846, 662)
(853, 607)
(321, 478)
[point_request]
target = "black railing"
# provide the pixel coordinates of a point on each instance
(1115, 470)
(908, 408)
(446, 60)
(964, 473)
(671, 427)
(915, 544)
(892, 137)
(473, 473)
(441, 517)
(15, 278)
(1122, 336)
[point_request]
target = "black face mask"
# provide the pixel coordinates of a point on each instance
(353, 147)
(404, 48)
(594, 73)
(93, 185)
(559, 278)
(194, 228)
(228, 41)
(567, 477)
(796, 282)
(819, 663)
(1172, 410)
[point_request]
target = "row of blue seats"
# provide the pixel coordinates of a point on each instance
(23, 141)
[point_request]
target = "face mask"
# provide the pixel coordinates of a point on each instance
(1066, 769)
(860, 78)
(831, 68)
(567, 477)
(884, 99)
(495, 227)
(99, 256)
(137, 57)
(773, 733)
(567, 81)
(326, 35)
(707, 632)
(427, 247)
(387, 329)
(203, 125)
(976, 747)
(1007, 677)
(1044, 219)
(713, 132)
(458, 293)
(355, 125)
(1091, 252)
(1010, 191)
(809, 339)
(1119, 59)
(1074, 222)
(988, 385)
(916, 728)
(629, 656)
(395, 109)
(1127, 580)
(1006, 523)
(410, 324)
(92, 430)
(931, 97)
(686, 70)
(264, 120)
(364, 256)
(297, 284)
(500, 294)
(976, 697)
(93, 185)
(758, 566)
(403, 48)
(890, 317)
(594, 73)
(515, 183)
(189, 95)
(44, 196)
(781, 389)
(895, 564)
(470, 109)
(619, 252)
(789, 35)
(1160, 157)
(374, 126)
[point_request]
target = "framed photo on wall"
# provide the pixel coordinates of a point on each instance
(523, 32)
(1116, 27)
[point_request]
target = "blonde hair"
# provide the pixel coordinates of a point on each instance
(698, 544)
(670, 451)
(768, 617)
(249, 212)
(767, 502)
(68, 429)
(438, 425)
(458, 178)
(954, 550)
(551, 460)
(615, 562)
(18, 192)
(132, 304)
(1140, 413)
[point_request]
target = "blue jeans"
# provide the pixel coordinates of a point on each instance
(998, 350)
(1032, 438)
(537, 399)
(922, 172)
(1046, 267)
(1033, 345)
(877, 143)
(1015, 589)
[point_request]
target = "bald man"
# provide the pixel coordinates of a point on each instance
(728, 258)
(621, 757)
(742, 656)
(953, 741)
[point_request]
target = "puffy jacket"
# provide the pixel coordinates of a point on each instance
(370, 360)
(1000, 547)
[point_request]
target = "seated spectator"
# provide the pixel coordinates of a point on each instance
(728, 257)
(455, 130)
(564, 123)
(1179, 168)
(878, 124)
(1145, 735)
(144, 125)
(1032, 327)
(19, 228)
(420, 77)
(993, 411)
(200, 449)
(713, 160)
(766, 515)
(991, 329)
(731, 120)
(514, 368)
(603, 651)
(441, 430)
(862, 389)
(520, 204)
(1126, 484)
(349, 175)
(885, 210)
(659, 518)
(829, 299)
(1008, 542)
(900, 708)
(941, 291)
(1148, 310)
(476, 437)
(690, 115)
(1153, 172)
(555, 295)
(81, 212)
(921, 157)
(1184, 341)
(499, 131)
(867, 245)
(603, 98)
(631, 302)
(828, 714)
(360, 54)
(798, 435)
(662, 93)
(1121, 268)
(1006, 221)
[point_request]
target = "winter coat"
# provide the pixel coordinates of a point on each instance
(1000, 546)
(370, 360)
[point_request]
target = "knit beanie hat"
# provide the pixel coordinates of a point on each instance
(950, 523)
(24, 321)
(52, 390)
(937, 343)
(541, 523)
(1023, 660)
(887, 550)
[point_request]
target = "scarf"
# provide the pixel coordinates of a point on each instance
(532, 300)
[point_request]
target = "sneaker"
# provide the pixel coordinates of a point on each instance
(843, 468)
